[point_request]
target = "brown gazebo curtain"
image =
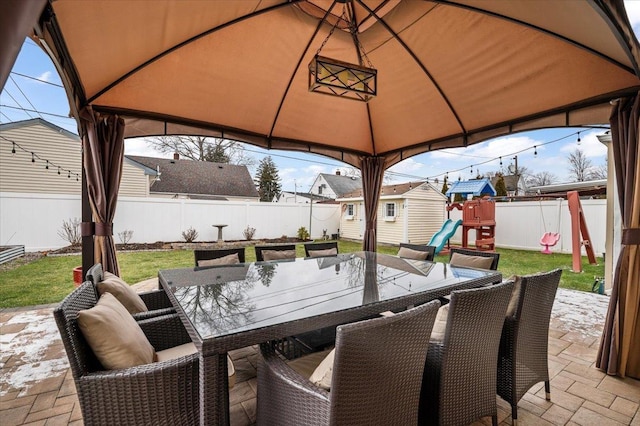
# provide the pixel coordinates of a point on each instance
(372, 169)
(619, 351)
(103, 153)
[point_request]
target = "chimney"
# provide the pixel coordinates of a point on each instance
(176, 156)
(337, 172)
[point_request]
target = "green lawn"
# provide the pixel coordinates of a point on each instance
(49, 279)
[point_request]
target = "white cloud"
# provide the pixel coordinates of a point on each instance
(139, 146)
(45, 76)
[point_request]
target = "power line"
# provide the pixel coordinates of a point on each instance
(37, 79)
(16, 101)
(23, 94)
(38, 112)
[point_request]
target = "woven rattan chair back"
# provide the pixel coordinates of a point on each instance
(459, 378)
(95, 274)
(494, 256)
(281, 247)
(320, 246)
(218, 253)
(374, 380)
(82, 360)
(523, 357)
(430, 250)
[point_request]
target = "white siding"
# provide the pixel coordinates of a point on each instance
(134, 182)
(391, 232)
(425, 219)
(351, 228)
(19, 174)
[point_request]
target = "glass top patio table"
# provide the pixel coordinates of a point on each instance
(234, 306)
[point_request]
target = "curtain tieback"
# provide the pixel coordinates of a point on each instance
(631, 237)
(87, 229)
(104, 229)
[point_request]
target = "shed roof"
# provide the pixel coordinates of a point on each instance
(395, 189)
(198, 177)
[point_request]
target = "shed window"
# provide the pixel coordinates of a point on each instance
(389, 211)
(351, 211)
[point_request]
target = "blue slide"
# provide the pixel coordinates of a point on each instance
(442, 236)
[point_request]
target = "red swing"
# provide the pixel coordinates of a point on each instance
(549, 239)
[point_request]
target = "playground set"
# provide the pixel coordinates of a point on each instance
(480, 215)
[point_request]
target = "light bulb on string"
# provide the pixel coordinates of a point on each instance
(47, 166)
(579, 138)
(58, 169)
(69, 175)
(535, 151)
(500, 161)
(459, 178)
(471, 170)
(13, 147)
(77, 178)
(33, 159)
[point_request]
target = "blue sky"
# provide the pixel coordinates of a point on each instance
(300, 170)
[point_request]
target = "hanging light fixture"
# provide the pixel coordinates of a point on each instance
(579, 138)
(342, 79)
(535, 151)
(13, 147)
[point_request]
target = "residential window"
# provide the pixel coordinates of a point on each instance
(350, 211)
(389, 211)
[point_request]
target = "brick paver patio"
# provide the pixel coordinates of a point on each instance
(36, 386)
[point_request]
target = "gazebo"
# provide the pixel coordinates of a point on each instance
(368, 82)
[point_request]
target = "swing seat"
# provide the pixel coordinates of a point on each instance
(549, 239)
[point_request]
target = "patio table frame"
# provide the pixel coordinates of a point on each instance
(214, 393)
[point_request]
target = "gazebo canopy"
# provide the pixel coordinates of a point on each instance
(449, 73)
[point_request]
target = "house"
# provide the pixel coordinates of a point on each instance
(202, 180)
(407, 213)
(514, 184)
(37, 156)
(335, 186)
(300, 197)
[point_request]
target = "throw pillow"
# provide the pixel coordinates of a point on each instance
(322, 253)
(480, 262)
(230, 259)
(278, 254)
(321, 377)
(114, 336)
(408, 253)
(123, 292)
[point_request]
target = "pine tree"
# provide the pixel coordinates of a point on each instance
(445, 187)
(268, 180)
(501, 187)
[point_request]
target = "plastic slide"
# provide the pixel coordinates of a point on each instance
(441, 237)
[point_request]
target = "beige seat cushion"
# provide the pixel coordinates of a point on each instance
(189, 349)
(322, 253)
(440, 324)
(480, 262)
(408, 253)
(123, 292)
(309, 366)
(515, 295)
(278, 254)
(230, 259)
(114, 336)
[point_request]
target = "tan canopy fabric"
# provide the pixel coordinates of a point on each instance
(450, 73)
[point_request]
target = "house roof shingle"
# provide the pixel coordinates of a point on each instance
(342, 184)
(199, 177)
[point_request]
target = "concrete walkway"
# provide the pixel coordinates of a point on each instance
(36, 386)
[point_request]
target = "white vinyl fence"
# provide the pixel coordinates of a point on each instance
(34, 220)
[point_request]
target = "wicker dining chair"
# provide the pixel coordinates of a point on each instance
(373, 381)
(475, 253)
(158, 393)
(311, 249)
(206, 254)
(523, 356)
(282, 247)
(156, 301)
(429, 250)
(459, 378)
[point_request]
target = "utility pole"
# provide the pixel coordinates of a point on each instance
(516, 173)
(295, 192)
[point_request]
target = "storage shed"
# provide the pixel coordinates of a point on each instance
(407, 213)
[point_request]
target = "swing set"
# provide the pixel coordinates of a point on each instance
(579, 232)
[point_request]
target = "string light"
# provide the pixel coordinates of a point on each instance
(500, 161)
(578, 138)
(535, 151)
(35, 157)
(471, 170)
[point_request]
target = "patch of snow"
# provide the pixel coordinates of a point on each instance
(30, 346)
(579, 311)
